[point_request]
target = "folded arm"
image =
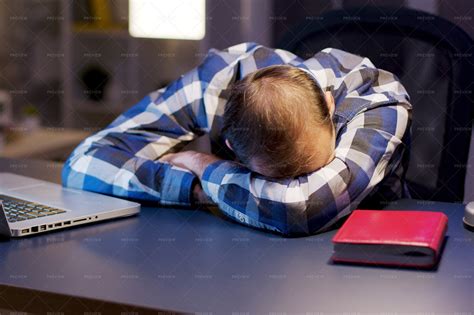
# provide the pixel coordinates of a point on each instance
(311, 203)
(121, 159)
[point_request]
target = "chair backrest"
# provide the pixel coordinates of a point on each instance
(433, 58)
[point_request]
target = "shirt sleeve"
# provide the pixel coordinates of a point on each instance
(311, 203)
(374, 117)
(122, 159)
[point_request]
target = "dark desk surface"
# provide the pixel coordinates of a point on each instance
(187, 260)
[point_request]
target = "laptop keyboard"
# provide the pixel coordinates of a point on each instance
(20, 210)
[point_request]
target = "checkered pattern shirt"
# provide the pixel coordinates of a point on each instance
(372, 120)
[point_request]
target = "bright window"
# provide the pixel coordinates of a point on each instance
(177, 19)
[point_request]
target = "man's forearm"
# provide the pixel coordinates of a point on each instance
(195, 162)
(111, 170)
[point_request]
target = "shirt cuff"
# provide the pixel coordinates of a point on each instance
(213, 176)
(176, 187)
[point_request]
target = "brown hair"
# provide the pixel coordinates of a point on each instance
(269, 116)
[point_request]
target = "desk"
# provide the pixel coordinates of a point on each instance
(44, 143)
(192, 261)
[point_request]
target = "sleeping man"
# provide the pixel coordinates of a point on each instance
(296, 144)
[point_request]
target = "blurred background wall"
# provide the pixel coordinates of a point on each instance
(34, 35)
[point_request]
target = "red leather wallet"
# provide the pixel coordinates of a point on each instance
(391, 237)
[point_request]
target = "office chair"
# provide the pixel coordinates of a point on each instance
(433, 58)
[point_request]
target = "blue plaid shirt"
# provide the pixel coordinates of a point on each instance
(372, 120)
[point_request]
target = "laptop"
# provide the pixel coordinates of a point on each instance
(30, 206)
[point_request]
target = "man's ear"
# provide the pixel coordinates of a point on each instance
(227, 143)
(330, 101)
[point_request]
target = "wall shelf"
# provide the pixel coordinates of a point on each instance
(108, 47)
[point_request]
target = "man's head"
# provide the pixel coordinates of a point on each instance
(278, 122)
